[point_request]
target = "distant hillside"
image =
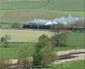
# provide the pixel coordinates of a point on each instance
(71, 5)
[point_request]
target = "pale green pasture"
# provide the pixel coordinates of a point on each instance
(24, 35)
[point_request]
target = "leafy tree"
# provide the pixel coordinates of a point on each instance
(57, 28)
(60, 39)
(5, 40)
(43, 52)
(41, 44)
(25, 59)
(60, 36)
(47, 54)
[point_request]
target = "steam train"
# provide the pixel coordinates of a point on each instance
(34, 26)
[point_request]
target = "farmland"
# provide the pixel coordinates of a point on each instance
(22, 16)
(28, 38)
(19, 42)
(23, 11)
(72, 5)
(24, 35)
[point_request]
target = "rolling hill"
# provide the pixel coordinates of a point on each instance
(24, 10)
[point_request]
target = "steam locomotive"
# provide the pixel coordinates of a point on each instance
(34, 26)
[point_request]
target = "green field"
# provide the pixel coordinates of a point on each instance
(27, 38)
(24, 35)
(15, 49)
(22, 16)
(72, 5)
(69, 65)
(23, 11)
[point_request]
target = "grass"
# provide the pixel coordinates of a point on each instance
(24, 35)
(15, 49)
(75, 41)
(72, 65)
(68, 65)
(22, 5)
(23, 11)
(22, 16)
(72, 5)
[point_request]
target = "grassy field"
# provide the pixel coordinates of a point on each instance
(22, 16)
(27, 38)
(68, 65)
(15, 49)
(44, 4)
(24, 35)
(22, 11)
(71, 65)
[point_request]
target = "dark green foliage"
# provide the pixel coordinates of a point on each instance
(41, 44)
(43, 52)
(37, 59)
(47, 54)
(2, 39)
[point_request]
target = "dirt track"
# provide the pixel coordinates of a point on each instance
(70, 55)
